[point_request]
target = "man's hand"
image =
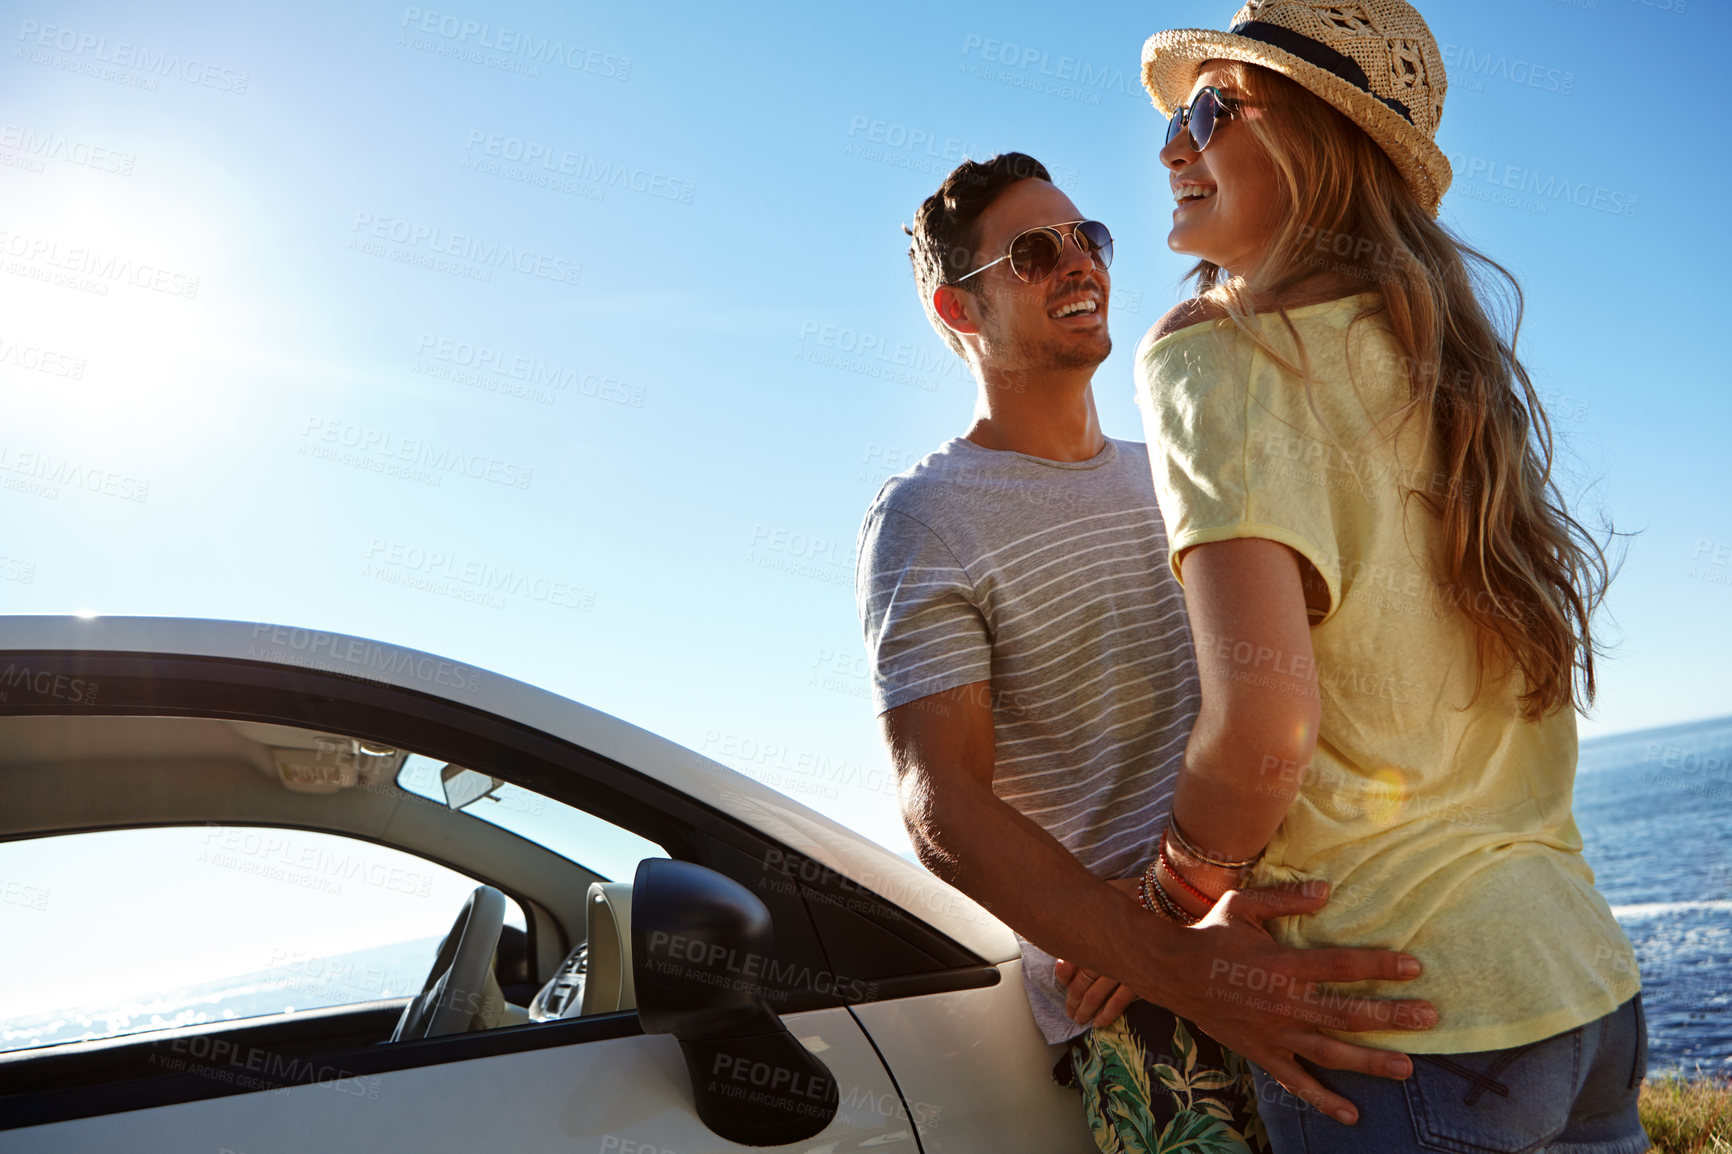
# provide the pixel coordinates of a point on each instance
(1261, 999)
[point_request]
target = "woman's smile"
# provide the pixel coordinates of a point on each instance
(1227, 200)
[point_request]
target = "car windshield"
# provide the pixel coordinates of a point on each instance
(571, 833)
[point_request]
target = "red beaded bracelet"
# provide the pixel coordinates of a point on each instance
(1166, 860)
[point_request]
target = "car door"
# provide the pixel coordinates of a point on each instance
(331, 1080)
(628, 1094)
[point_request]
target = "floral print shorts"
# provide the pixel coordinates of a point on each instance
(1153, 1085)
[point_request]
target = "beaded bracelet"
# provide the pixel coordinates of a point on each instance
(1166, 860)
(1150, 888)
(1185, 844)
(1171, 908)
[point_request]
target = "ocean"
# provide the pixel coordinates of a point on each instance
(393, 971)
(1655, 811)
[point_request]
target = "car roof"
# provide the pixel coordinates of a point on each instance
(704, 780)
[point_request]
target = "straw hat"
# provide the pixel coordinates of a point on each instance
(1374, 60)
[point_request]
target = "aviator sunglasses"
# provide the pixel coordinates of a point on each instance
(1035, 253)
(1200, 116)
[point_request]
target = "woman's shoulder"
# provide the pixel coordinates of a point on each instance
(1173, 354)
(1186, 314)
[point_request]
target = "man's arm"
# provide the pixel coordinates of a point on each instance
(943, 747)
(943, 750)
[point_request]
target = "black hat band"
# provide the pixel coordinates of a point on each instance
(1317, 53)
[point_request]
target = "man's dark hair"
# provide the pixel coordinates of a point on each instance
(946, 230)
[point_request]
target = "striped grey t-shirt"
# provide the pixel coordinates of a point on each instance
(1050, 580)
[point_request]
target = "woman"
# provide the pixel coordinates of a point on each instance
(1390, 605)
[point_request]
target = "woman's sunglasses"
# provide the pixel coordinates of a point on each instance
(1200, 116)
(1034, 255)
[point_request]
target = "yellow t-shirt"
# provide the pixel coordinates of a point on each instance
(1444, 831)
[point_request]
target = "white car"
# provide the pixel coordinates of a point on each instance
(651, 952)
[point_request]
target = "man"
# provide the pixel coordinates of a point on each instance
(1035, 678)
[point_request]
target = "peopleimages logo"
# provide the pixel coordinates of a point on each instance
(478, 365)
(121, 54)
(54, 146)
(482, 575)
(332, 653)
(45, 683)
(1066, 76)
(515, 42)
(1530, 182)
(463, 246)
(579, 166)
(924, 140)
(91, 262)
(59, 471)
(1478, 67)
(41, 360)
(324, 437)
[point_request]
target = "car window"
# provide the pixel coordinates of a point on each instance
(311, 883)
(123, 931)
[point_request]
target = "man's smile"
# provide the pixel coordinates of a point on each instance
(1077, 310)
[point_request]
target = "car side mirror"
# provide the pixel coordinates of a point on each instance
(700, 943)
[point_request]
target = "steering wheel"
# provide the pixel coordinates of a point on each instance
(456, 986)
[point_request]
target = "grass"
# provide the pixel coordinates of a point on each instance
(1686, 1115)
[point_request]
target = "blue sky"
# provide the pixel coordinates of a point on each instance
(637, 269)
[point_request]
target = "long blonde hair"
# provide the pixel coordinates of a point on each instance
(1526, 573)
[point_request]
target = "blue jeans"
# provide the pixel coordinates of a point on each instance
(1574, 1093)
